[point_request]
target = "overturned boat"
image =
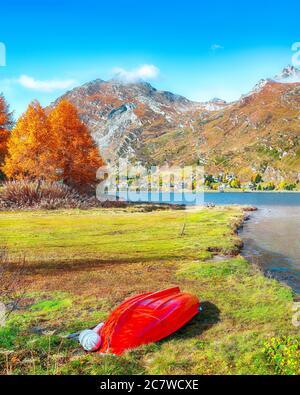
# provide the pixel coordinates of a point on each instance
(146, 318)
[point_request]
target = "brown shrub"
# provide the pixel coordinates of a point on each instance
(40, 194)
(26, 194)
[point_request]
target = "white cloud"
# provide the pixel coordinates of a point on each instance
(144, 72)
(44, 85)
(215, 47)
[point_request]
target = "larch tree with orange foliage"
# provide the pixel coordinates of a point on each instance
(6, 123)
(76, 156)
(30, 146)
(57, 147)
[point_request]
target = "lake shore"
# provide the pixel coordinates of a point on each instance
(270, 240)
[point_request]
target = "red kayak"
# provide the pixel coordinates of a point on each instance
(147, 318)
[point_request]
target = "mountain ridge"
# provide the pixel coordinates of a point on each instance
(257, 133)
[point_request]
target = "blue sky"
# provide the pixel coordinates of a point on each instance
(199, 49)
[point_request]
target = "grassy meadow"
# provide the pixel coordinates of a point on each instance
(80, 264)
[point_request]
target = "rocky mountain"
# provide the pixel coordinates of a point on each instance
(259, 132)
(125, 117)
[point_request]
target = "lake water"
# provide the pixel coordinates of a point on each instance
(271, 237)
(258, 199)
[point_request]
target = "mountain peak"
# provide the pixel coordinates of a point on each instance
(217, 100)
(288, 74)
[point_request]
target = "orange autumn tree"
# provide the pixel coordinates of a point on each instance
(76, 156)
(30, 146)
(5, 125)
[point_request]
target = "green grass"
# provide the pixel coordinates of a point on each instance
(81, 264)
(284, 354)
(51, 305)
(112, 235)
